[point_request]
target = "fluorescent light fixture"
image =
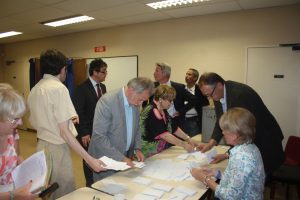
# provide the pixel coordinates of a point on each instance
(171, 3)
(8, 34)
(68, 20)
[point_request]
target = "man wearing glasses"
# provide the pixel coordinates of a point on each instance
(85, 99)
(229, 94)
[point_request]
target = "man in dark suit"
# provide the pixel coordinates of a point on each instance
(192, 123)
(183, 101)
(85, 99)
(229, 94)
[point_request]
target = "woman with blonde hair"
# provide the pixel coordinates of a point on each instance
(156, 125)
(244, 176)
(12, 109)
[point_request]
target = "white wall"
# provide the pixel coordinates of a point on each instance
(209, 43)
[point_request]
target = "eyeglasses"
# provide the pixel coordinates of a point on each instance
(104, 72)
(212, 93)
(13, 121)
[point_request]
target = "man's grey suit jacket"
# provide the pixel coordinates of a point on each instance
(109, 136)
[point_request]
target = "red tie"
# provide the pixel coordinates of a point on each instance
(99, 92)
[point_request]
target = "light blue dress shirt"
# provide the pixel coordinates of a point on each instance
(129, 120)
(244, 177)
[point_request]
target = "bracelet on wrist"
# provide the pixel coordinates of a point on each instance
(206, 179)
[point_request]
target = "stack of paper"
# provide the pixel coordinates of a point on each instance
(36, 168)
(113, 164)
(139, 164)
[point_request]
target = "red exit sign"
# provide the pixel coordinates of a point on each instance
(100, 49)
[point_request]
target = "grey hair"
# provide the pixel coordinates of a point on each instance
(12, 104)
(241, 122)
(165, 68)
(141, 84)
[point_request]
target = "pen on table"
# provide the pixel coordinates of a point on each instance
(102, 192)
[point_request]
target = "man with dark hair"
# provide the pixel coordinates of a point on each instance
(192, 123)
(85, 99)
(229, 94)
(52, 114)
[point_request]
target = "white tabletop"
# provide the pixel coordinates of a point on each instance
(126, 178)
(86, 193)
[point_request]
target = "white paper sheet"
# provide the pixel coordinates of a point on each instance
(186, 191)
(33, 168)
(141, 180)
(113, 164)
(143, 197)
(165, 188)
(153, 192)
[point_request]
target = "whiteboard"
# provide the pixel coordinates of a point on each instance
(120, 70)
(281, 95)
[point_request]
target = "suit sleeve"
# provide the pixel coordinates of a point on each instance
(79, 102)
(102, 134)
(138, 135)
(217, 132)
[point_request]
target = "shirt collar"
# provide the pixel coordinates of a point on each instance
(223, 100)
(93, 81)
(126, 103)
(190, 89)
(49, 76)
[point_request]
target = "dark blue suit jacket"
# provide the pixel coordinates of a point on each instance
(85, 100)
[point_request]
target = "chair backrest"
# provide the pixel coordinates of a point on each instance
(292, 151)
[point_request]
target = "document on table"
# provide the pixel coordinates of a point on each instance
(111, 187)
(199, 156)
(113, 164)
(141, 180)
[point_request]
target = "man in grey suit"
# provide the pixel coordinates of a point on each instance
(116, 131)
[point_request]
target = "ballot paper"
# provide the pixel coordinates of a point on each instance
(165, 188)
(211, 154)
(111, 187)
(177, 196)
(153, 192)
(185, 191)
(143, 197)
(139, 164)
(199, 155)
(113, 164)
(141, 180)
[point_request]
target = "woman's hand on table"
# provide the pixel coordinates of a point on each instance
(219, 157)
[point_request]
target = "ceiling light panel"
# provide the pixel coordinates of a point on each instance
(66, 21)
(8, 34)
(172, 3)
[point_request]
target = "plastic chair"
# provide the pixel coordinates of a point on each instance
(289, 172)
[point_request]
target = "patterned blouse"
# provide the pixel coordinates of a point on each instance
(244, 176)
(153, 124)
(8, 161)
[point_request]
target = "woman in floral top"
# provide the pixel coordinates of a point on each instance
(157, 127)
(244, 176)
(12, 108)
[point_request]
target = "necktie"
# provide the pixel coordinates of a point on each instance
(99, 92)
